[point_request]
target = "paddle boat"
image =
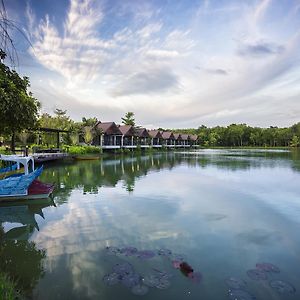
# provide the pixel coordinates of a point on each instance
(23, 185)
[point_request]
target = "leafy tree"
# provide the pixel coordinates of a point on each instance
(88, 134)
(295, 141)
(89, 121)
(128, 119)
(18, 109)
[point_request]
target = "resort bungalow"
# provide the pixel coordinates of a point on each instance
(156, 138)
(185, 140)
(110, 136)
(169, 140)
(178, 139)
(143, 137)
(128, 136)
(193, 140)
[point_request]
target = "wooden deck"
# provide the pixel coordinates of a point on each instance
(44, 157)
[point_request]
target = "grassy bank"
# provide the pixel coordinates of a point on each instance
(7, 288)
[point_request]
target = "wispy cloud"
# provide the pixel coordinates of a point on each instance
(135, 57)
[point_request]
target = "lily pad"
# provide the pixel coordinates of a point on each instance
(240, 295)
(123, 268)
(145, 254)
(111, 279)
(112, 250)
(131, 280)
(267, 267)
(151, 280)
(129, 251)
(163, 284)
(256, 274)
(282, 287)
(235, 283)
(164, 252)
(140, 290)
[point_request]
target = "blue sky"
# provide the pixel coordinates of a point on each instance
(174, 63)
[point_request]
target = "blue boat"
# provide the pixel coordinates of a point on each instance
(23, 185)
(9, 168)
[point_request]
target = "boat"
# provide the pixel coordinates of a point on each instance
(25, 185)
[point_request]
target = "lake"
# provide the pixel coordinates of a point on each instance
(121, 220)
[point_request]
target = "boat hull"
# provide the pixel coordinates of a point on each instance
(37, 190)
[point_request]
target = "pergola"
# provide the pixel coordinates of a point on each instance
(57, 131)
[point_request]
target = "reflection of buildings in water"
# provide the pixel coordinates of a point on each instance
(22, 213)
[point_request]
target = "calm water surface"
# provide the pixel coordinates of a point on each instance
(223, 211)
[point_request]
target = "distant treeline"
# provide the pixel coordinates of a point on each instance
(243, 135)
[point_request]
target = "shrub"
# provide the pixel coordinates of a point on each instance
(7, 288)
(80, 150)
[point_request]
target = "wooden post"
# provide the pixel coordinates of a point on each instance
(57, 136)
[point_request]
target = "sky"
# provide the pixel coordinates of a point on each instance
(174, 63)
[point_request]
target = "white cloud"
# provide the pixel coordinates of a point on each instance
(170, 75)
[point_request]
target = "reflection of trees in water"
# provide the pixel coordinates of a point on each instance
(89, 176)
(22, 262)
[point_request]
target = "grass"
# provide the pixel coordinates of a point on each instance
(7, 288)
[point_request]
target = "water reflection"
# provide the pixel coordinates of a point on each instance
(21, 260)
(225, 212)
(90, 176)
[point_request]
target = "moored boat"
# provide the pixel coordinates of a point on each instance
(23, 185)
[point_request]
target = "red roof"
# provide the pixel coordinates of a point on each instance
(142, 132)
(109, 128)
(127, 130)
(185, 137)
(177, 136)
(167, 135)
(155, 134)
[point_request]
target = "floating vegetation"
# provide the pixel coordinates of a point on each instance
(124, 272)
(235, 283)
(112, 250)
(151, 280)
(240, 295)
(145, 254)
(129, 251)
(163, 284)
(164, 252)
(139, 290)
(176, 264)
(111, 279)
(267, 267)
(256, 274)
(131, 280)
(282, 287)
(123, 268)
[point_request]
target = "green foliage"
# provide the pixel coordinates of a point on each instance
(88, 134)
(79, 150)
(18, 109)
(242, 135)
(128, 119)
(295, 141)
(7, 288)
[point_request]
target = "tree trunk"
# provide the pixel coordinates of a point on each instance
(12, 144)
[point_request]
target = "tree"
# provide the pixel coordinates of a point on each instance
(295, 141)
(18, 109)
(88, 134)
(128, 119)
